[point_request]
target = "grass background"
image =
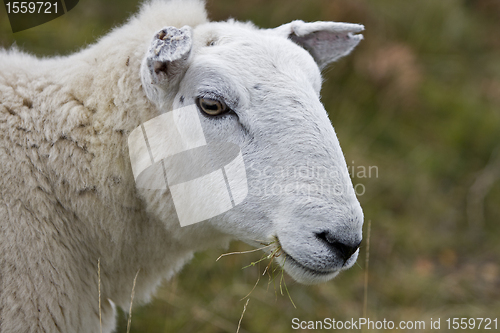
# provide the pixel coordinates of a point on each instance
(420, 100)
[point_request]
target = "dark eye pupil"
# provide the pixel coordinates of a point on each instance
(214, 106)
(211, 107)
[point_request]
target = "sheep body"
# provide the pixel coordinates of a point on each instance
(64, 205)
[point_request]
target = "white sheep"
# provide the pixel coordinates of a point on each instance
(68, 195)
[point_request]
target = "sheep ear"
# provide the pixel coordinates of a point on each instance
(167, 55)
(325, 41)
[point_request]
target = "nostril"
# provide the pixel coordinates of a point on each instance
(345, 250)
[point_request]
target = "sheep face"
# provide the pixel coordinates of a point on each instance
(260, 91)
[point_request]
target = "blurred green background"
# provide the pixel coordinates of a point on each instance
(420, 100)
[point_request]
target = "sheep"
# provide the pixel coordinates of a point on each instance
(69, 197)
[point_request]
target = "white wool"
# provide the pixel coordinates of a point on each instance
(68, 197)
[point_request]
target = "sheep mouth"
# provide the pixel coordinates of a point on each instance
(290, 260)
(293, 263)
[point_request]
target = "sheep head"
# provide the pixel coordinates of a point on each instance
(259, 91)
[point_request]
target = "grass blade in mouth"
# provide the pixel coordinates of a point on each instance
(276, 252)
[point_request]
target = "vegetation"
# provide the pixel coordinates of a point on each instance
(420, 100)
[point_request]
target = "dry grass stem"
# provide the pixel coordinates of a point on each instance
(476, 196)
(243, 252)
(201, 313)
(99, 280)
(244, 309)
(131, 301)
(282, 280)
(275, 253)
(254, 286)
(365, 301)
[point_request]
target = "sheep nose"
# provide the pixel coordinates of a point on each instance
(343, 249)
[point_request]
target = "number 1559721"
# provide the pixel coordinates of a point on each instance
(31, 7)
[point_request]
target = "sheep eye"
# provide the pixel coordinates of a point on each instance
(211, 107)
